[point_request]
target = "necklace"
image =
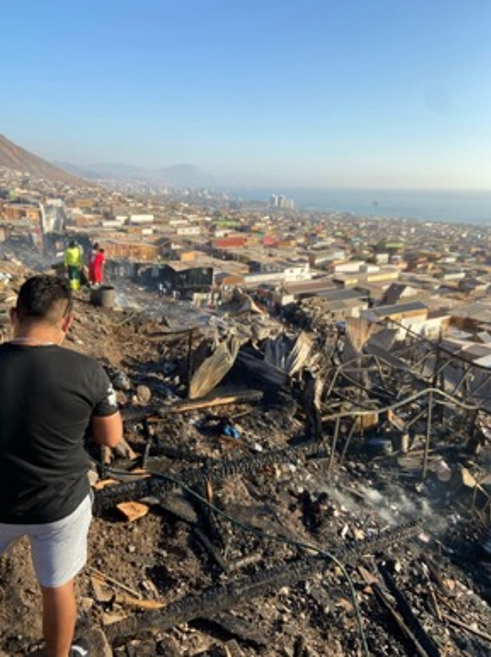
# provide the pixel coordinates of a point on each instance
(34, 341)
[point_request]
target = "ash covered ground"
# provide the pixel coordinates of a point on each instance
(299, 528)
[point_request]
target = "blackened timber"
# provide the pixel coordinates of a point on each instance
(410, 619)
(109, 496)
(467, 627)
(225, 596)
(239, 628)
(176, 454)
(398, 620)
(212, 550)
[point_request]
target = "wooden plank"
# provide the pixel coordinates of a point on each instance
(235, 398)
(133, 510)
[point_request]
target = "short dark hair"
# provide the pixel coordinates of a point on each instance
(44, 298)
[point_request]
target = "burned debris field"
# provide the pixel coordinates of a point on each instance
(292, 487)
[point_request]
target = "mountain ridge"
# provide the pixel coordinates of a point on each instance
(19, 159)
(178, 175)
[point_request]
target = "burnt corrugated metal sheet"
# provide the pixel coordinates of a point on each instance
(289, 355)
(358, 331)
(260, 369)
(384, 338)
(214, 368)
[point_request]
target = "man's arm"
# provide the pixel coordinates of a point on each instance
(107, 430)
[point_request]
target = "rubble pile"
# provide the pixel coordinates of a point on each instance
(310, 314)
(294, 494)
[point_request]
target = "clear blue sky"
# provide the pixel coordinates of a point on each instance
(382, 93)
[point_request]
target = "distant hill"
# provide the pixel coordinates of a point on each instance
(17, 158)
(179, 175)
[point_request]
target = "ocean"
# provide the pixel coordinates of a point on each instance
(469, 207)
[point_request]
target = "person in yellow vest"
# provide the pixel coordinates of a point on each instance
(74, 263)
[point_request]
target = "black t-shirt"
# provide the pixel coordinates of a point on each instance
(47, 396)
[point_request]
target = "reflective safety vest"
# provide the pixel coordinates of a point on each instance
(73, 257)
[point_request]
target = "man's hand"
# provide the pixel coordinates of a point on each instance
(122, 449)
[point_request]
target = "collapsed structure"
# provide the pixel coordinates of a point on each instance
(294, 487)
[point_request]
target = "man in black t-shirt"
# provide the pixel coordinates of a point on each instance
(49, 397)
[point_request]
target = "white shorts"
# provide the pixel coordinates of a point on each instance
(58, 549)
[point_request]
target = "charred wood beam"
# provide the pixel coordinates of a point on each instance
(212, 550)
(236, 627)
(225, 596)
(209, 521)
(467, 627)
(424, 640)
(398, 620)
(112, 495)
(107, 497)
(214, 600)
(226, 565)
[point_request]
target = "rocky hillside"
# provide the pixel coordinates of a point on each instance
(17, 158)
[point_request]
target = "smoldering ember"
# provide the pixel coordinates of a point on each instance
(291, 483)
